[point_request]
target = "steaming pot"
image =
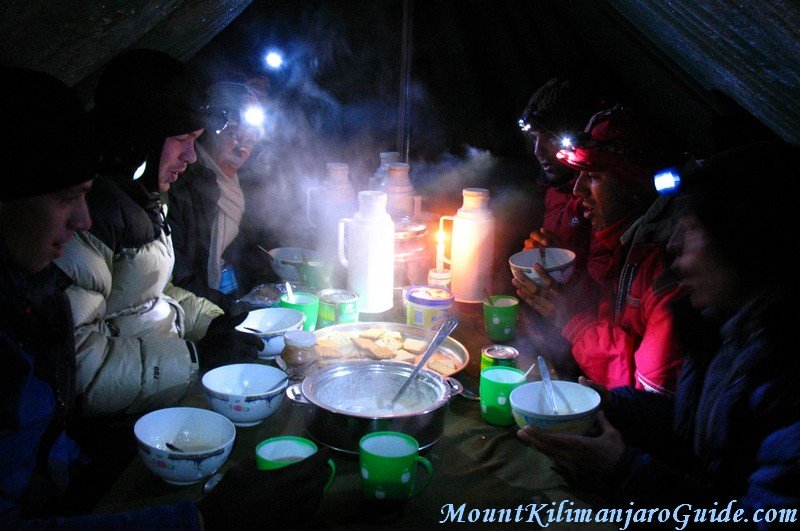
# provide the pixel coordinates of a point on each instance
(347, 401)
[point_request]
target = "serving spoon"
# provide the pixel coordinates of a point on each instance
(447, 326)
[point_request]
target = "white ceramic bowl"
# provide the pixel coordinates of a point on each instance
(577, 407)
(560, 263)
(270, 324)
(285, 261)
(205, 437)
(245, 392)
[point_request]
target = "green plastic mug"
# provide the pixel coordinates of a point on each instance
(501, 317)
(307, 303)
(278, 452)
(388, 461)
(495, 388)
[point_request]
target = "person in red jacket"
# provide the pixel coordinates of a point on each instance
(628, 339)
(557, 111)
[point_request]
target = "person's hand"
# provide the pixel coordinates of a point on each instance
(223, 344)
(590, 461)
(548, 299)
(602, 391)
(541, 238)
(248, 498)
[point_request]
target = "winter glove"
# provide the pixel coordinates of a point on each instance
(223, 344)
(248, 498)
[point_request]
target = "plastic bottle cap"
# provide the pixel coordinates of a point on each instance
(300, 338)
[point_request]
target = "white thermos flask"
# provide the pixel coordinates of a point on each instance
(366, 249)
(472, 246)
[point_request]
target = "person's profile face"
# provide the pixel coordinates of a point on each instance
(176, 154)
(35, 229)
(231, 148)
(606, 198)
(709, 278)
(545, 146)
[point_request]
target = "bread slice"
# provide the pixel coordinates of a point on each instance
(415, 346)
(372, 350)
(402, 355)
(372, 333)
(441, 364)
(391, 340)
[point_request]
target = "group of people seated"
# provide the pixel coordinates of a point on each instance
(679, 314)
(118, 266)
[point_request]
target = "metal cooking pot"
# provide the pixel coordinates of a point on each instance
(347, 401)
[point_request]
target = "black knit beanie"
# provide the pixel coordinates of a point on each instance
(559, 106)
(143, 97)
(736, 196)
(47, 138)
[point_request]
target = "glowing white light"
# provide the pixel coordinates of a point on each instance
(254, 115)
(140, 170)
(566, 142)
(274, 60)
(666, 181)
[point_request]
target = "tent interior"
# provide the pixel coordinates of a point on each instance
(444, 79)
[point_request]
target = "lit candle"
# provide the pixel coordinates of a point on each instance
(440, 251)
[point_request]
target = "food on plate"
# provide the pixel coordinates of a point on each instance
(402, 355)
(415, 346)
(372, 333)
(391, 340)
(372, 350)
(379, 344)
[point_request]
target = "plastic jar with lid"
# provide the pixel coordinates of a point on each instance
(427, 306)
(298, 350)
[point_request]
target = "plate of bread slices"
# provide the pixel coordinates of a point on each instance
(387, 342)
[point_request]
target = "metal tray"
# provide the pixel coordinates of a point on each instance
(450, 347)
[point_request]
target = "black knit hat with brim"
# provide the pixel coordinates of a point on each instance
(143, 97)
(47, 141)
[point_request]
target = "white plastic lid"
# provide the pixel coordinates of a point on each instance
(300, 338)
(371, 202)
(338, 173)
(475, 198)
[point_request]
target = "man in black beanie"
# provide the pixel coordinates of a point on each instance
(40, 210)
(556, 112)
(141, 340)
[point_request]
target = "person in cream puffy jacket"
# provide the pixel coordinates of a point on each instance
(140, 341)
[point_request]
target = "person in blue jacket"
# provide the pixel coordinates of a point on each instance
(50, 160)
(731, 434)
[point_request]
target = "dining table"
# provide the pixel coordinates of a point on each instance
(482, 473)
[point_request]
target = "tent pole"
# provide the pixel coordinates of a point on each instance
(403, 125)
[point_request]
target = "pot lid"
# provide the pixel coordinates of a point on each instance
(409, 230)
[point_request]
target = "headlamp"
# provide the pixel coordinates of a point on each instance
(253, 115)
(667, 181)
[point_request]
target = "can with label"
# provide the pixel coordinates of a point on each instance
(337, 306)
(495, 355)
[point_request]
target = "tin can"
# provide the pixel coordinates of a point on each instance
(337, 306)
(495, 355)
(427, 306)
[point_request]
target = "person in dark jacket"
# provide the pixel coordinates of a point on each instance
(206, 206)
(556, 112)
(732, 431)
(41, 208)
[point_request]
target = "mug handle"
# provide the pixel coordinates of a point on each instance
(429, 468)
(332, 466)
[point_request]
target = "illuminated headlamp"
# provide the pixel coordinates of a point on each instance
(667, 181)
(253, 115)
